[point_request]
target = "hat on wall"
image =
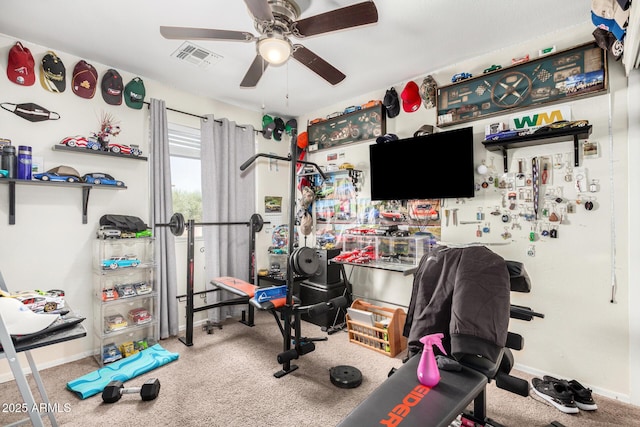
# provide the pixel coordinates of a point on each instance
(303, 140)
(134, 93)
(85, 79)
(411, 97)
(386, 138)
(428, 92)
(391, 103)
(279, 129)
(20, 320)
(20, 65)
(267, 126)
(424, 130)
(53, 73)
(112, 87)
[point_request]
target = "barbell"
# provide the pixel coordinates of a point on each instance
(177, 223)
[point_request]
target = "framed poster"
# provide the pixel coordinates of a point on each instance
(357, 126)
(573, 73)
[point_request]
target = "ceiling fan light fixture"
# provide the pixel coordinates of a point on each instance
(275, 49)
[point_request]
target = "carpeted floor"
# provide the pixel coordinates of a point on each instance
(226, 379)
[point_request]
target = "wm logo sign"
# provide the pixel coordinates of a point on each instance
(536, 119)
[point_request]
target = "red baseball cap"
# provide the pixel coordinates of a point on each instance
(411, 97)
(20, 66)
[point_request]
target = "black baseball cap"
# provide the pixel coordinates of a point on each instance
(392, 103)
(112, 87)
(53, 74)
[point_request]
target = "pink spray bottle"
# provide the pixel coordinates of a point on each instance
(428, 373)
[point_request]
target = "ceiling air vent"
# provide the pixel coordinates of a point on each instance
(196, 55)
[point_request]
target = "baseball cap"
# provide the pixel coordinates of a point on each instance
(267, 126)
(279, 129)
(20, 320)
(607, 41)
(112, 87)
(610, 16)
(20, 65)
(290, 125)
(428, 92)
(391, 103)
(424, 130)
(52, 73)
(411, 97)
(85, 78)
(134, 93)
(388, 137)
(303, 140)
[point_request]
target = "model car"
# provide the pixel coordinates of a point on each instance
(101, 178)
(81, 142)
(126, 290)
(121, 261)
(371, 103)
(4, 173)
(115, 322)
(37, 302)
(127, 234)
(128, 349)
(502, 135)
(520, 60)
(460, 76)
(139, 316)
(391, 215)
(141, 345)
(142, 288)
(352, 109)
(132, 150)
(424, 212)
(144, 233)
(492, 68)
(109, 294)
(49, 176)
(108, 231)
(110, 353)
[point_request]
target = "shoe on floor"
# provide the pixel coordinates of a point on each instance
(581, 395)
(556, 393)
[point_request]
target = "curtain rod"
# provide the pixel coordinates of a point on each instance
(200, 117)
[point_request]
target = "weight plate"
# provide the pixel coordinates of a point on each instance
(256, 222)
(176, 224)
(306, 261)
(344, 376)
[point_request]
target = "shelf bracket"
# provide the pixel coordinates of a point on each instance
(576, 151)
(505, 160)
(12, 202)
(85, 202)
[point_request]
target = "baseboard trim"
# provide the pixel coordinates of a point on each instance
(8, 376)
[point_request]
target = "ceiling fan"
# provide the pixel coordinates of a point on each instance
(276, 20)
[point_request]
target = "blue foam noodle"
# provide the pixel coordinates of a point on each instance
(121, 370)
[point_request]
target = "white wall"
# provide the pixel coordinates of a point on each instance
(583, 335)
(49, 247)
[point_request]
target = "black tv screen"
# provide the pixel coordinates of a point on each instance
(436, 166)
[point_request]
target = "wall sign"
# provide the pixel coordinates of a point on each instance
(361, 125)
(569, 74)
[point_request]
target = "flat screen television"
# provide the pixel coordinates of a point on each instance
(436, 166)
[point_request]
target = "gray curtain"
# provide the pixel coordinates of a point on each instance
(228, 195)
(165, 251)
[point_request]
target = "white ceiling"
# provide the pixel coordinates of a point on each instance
(412, 38)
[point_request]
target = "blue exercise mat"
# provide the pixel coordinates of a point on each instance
(122, 370)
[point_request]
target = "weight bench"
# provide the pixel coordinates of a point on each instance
(282, 311)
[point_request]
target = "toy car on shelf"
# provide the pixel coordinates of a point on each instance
(352, 108)
(132, 150)
(99, 178)
(50, 176)
(505, 134)
(4, 173)
(139, 316)
(120, 262)
(115, 323)
(144, 233)
(126, 290)
(110, 353)
(492, 68)
(109, 294)
(522, 59)
(108, 232)
(128, 349)
(142, 288)
(81, 142)
(460, 76)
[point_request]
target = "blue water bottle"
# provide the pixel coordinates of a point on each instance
(24, 162)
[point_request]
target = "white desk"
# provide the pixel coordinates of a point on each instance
(11, 353)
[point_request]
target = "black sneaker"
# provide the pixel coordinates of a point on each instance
(556, 393)
(581, 395)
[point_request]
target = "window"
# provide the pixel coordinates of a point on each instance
(184, 150)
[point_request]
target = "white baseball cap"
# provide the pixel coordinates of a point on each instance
(20, 320)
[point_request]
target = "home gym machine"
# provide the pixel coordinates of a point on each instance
(302, 260)
(177, 225)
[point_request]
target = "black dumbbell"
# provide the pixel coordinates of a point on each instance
(115, 389)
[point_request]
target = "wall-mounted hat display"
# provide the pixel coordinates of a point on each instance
(20, 65)
(53, 73)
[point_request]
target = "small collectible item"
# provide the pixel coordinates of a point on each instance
(120, 262)
(128, 349)
(110, 353)
(142, 288)
(114, 323)
(139, 316)
(109, 294)
(100, 178)
(126, 290)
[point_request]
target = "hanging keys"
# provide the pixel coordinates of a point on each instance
(479, 232)
(486, 228)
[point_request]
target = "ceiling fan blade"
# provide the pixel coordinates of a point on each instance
(184, 33)
(259, 9)
(339, 19)
(316, 64)
(254, 73)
